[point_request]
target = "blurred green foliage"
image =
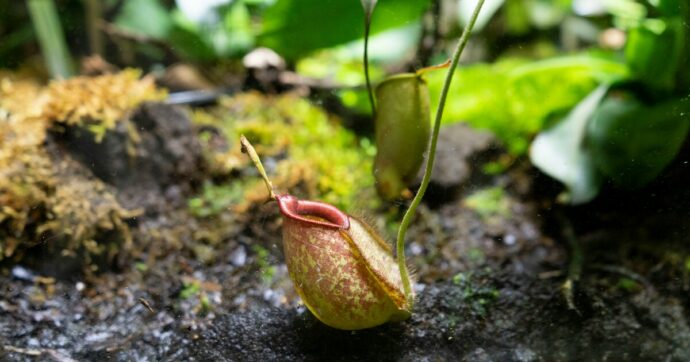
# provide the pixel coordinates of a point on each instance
(632, 141)
(45, 19)
(215, 199)
(293, 28)
(309, 25)
(632, 133)
(489, 202)
(225, 30)
(515, 98)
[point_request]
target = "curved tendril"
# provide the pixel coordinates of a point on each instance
(400, 243)
(367, 26)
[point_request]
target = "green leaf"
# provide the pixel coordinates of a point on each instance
(514, 98)
(238, 30)
(632, 142)
(147, 17)
(667, 7)
(627, 13)
(294, 28)
(188, 40)
(190, 44)
(653, 52)
(560, 151)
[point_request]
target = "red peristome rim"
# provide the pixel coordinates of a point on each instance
(296, 209)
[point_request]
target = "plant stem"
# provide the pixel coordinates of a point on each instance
(249, 149)
(400, 244)
(93, 11)
(367, 26)
(576, 261)
(46, 22)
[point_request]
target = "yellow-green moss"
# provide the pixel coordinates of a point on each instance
(316, 157)
(97, 103)
(54, 200)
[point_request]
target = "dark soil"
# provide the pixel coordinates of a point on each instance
(489, 285)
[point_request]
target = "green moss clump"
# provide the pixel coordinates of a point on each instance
(214, 199)
(45, 197)
(98, 103)
(490, 202)
(59, 203)
(475, 290)
(308, 153)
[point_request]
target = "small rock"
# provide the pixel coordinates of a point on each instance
(458, 148)
(24, 274)
(239, 256)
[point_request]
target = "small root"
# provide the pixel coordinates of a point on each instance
(575, 264)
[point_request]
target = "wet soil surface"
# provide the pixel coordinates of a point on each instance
(489, 287)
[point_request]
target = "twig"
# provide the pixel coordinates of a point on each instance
(37, 352)
(26, 351)
(146, 304)
(93, 10)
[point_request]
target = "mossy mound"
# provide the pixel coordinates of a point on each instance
(306, 151)
(45, 196)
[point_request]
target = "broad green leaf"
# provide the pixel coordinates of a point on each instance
(560, 151)
(402, 132)
(188, 41)
(237, 30)
(667, 7)
(627, 13)
(514, 98)
(294, 28)
(653, 52)
(632, 142)
(147, 17)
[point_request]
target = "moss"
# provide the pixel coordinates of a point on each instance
(268, 271)
(489, 202)
(628, 285)
(51, 201)
(308, 152)
(215, 199)
(45, 197)
(98, 103)
(476, 292)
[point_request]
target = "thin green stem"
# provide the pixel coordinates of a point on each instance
(46, 23)
(367, 26)
(93, 11)
(400, 244)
